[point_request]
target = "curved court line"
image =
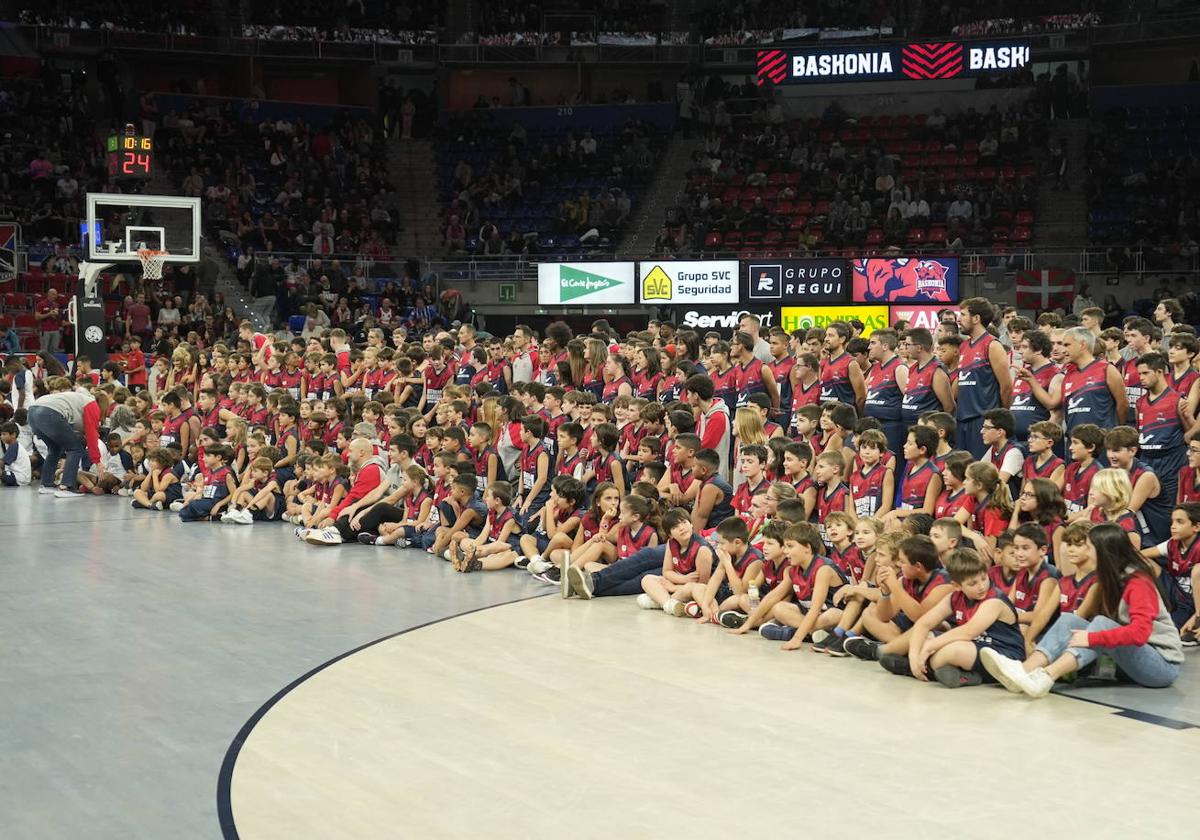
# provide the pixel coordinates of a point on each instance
(225, 779)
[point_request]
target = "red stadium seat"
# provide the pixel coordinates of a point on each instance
(1022, 234)
(1024, 217)
(713, 240)
(916, 236)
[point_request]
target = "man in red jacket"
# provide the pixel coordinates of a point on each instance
(368, 488)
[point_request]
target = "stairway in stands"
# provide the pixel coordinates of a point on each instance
(1062, 213)
(412, 169)
(666, 190)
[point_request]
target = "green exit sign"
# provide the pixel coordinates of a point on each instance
(508, 292)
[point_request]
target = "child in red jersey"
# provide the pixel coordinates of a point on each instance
(993, 505)
(1044, 437)
(1108, 501)
(1077, 587)
(772, 569)
(839, 530)
(752, 465)
(922, 483)
(1041, 503)
(980, 617)
(1085, 444)
(557, 523)
(218, 487)
(856, 595)
(872, 482)
(687, 560)
(739, 566)
(1189, 477)
(832, 492)
(1179, 559)
(679, 485)
(493, 547)
(811, 583)
(1004, 572)
(1035, 591)
(796, 460)
(635, 528)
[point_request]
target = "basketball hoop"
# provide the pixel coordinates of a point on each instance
(152, 262)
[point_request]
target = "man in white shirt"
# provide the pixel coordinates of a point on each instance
(522, 363)
(959, 209)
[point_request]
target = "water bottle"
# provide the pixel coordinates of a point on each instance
(753, 596)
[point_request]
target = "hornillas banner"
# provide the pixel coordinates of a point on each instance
(807, 317)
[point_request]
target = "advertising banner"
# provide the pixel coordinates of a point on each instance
(796, 281)
(585, 284)
(681, 281)
(723, 318)
(906, 280)
(917, 315)
(806, 317)
(890, 62)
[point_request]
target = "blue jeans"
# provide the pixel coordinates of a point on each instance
(625, 576)
(1142, 664)
(61, 439)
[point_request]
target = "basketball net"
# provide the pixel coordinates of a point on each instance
(152, 262)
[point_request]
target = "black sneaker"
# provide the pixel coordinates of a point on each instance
(1189, 639)
(836, 646)
(733, 619)
(862, 648)
(367, 538)
(895, 663)
(521, 563)
(553, 576)
(825, 644)
(954, 677)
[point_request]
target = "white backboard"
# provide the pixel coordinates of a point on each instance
(118, 225)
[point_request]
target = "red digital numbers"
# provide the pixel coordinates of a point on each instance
(135, 164)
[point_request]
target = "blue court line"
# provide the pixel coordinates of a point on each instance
(1135, 714)
(225, 779)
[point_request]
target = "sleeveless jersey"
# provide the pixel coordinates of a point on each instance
(722, 509)
(1000, 578)
(481, 467)
(568, 464)
(749, 381)
(829, 500)
(170, 437)
(916, 484)
(883, 393)
(1133, 385)
(978, 390)
(745, 494)
(413, 503)
(436, 382)
(215, 487)
(1077, 481)
(919, 396)
(781, 369)
(917, 590)
(867, 490)
(804, 582)
(602, 465)
(529, 470)
(835, 379)
(742, 564)
(683, 560)
(1181, 561)
(612, 389)
(1028, 582)
(1072, 591)
(1188, 491)
(773, 574)
(725, 385)
(949, 503)
(645, 386)
(1004, 636)
(1086, 396)
(590, 526)
(806, 395)
(1026, 408)
(1160, 431)
(1182, 385)
(496, 521)
(850, 561)
(629, 543)
(1031, 470)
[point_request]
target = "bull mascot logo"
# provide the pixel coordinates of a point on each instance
(903, 279)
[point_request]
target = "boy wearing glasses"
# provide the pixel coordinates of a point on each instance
(1001, 452)
(1044, 438)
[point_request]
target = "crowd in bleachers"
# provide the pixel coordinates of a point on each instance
(509, 190)
(1143, 176)
(952, 181)
(179, 17)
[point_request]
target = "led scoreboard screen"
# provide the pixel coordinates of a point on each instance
(130, 155)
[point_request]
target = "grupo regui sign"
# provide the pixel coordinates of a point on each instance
(890, 62)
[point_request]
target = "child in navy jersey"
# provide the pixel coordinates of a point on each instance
(1179, 559)
(1077, 587)
(1043, 439)
(498, 541)
(1086, 447)
(980, 616)
(687, 560)
(1035, 591)
(738, 565)
(1041, 502)
(218, 487)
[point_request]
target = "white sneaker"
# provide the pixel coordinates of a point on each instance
(819, 636)
(124, 491)
(244, 517)
(227, 514)
(674, 607)
(159, 506)
(1040, 683)
(47, 491)
(328, 536)
(1008, 672)
(301, 532)
(538, 566)
(67, 494)
(646, 602)
(176, 507)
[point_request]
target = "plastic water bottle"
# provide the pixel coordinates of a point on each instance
(753, 597)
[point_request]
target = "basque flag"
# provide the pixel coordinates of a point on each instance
(1047, 288)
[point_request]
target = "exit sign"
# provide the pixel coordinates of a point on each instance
(508, 292)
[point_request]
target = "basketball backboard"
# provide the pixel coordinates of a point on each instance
(118, 225)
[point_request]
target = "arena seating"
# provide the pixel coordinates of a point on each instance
(539, 193)
(763, 184)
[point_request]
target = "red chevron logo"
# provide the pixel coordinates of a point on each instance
(772, 66)
(931, 61)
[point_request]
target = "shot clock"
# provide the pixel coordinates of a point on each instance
(130, 155)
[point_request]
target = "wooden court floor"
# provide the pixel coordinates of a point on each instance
(162, 680)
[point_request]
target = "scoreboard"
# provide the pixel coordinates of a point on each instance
(130, 155)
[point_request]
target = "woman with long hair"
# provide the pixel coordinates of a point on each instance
(1132, 626)
(596, 356)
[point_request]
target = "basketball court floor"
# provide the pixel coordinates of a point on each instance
(200, 681)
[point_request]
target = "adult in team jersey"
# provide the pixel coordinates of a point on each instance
(983, 380)
(1160, 424)
(841, 378)
(1093, 391)
(1037, 384)
(781, 364)
(1139, 336)
(886, 381)
(753, 377)
(928, 386)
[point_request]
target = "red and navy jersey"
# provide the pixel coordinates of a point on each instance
(830, 499)
(629, 543)
(424, 456)
(529, 468)
(1181, 560)
(481, 459)
(1025, 408)
(493, 373)
(1072, 591)
(437, 380)
(978, 390)
(1004, 636)
(773, 574)
(646, 386)
(413, 503)
(1000, 578)
(1188, 491)
(289, 380)
(919, 397)
(949, 503)
(670, 387)
(211, 418)
(683, 559)
(1127, 520)
(602, 465)
(1029, 581)
(725, 385)
(214, 484)
(849, 560)
(749, 381)
(1086, 396)
(1181, 384)
(568, 464)
(742, 564)
(806, 395)
(867, 489)
(1160, 431)
(883, 393)
(802, 485)
(745, 493)
(632, 435)
(916, 484)
(331, 434)
(781, 369)
(722, 508)
(804, 582)
(996, 456)
(591, 526)
(496, 521)
(917, 589)
(835, 379)
(170, 437)
(1133, 385)
(258, 416)
(612, 389)
(1077, 481)
(1031, 469)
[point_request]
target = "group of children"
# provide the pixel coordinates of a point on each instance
(809, 523)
